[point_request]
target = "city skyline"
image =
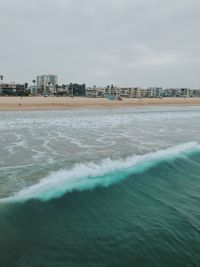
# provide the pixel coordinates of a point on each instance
(47, 78)
(141, 43)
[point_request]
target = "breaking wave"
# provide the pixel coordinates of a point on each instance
(87, 176)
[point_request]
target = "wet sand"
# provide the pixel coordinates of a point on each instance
(46, 103)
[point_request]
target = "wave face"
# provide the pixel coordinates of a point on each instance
(151, 218)
(100, 188)
(89, 176)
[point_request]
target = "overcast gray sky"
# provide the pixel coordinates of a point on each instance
(120, 42)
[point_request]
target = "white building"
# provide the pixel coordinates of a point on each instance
(44, 81)
(134, 92)
(154, 92)
(95, 91)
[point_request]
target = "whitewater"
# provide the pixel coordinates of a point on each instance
(90, 175)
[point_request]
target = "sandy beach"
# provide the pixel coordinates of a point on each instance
(46, 103)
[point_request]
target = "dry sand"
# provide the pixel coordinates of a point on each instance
(45, 103)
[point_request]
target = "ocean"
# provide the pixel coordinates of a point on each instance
(100, 187)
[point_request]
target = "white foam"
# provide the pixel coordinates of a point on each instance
(90, 175)
(93, 121)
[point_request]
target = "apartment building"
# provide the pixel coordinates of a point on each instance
(154, 92)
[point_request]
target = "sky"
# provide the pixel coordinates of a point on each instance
(101, 42)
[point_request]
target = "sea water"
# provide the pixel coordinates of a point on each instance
(107, 187)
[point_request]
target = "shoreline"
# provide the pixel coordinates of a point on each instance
(59, 103)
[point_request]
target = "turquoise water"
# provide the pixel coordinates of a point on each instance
(99, 189)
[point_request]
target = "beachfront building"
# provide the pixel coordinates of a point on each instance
(95, 91)
(170, 92)
(137, 92)
(100, 91)
(117, 91)
(110, 90)
(107, 91)
(33, 90)
(61, 90)
(45, 81)
(178, 92)
(77, 89)
(189, 92)
(142, 92)
(196, 92)
(185, 92)
(133, 92)
(114, 91)
(12, 89)
(125, 92)
(154, 92)
(90, 92)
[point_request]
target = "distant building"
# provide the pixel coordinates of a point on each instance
(125, 92)
(44, 81)
(133, 92)
(33, 89)
(11, 89)
(111, 91)
(178, 92)
(91, 92)
(170, 92)
(95, 91)
(154, 92)
(137, 92)
(196, 92)
(185, 92)
(115, 91)
(61, 90)
(77, 89)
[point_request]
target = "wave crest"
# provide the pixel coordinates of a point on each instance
(91, 175)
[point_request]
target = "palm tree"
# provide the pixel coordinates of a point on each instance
(71, 89)
(49, 87)
(34, 90)
(1, 78)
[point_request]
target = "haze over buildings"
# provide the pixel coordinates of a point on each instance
(124, 42)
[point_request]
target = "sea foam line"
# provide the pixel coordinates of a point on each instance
(87, 176)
